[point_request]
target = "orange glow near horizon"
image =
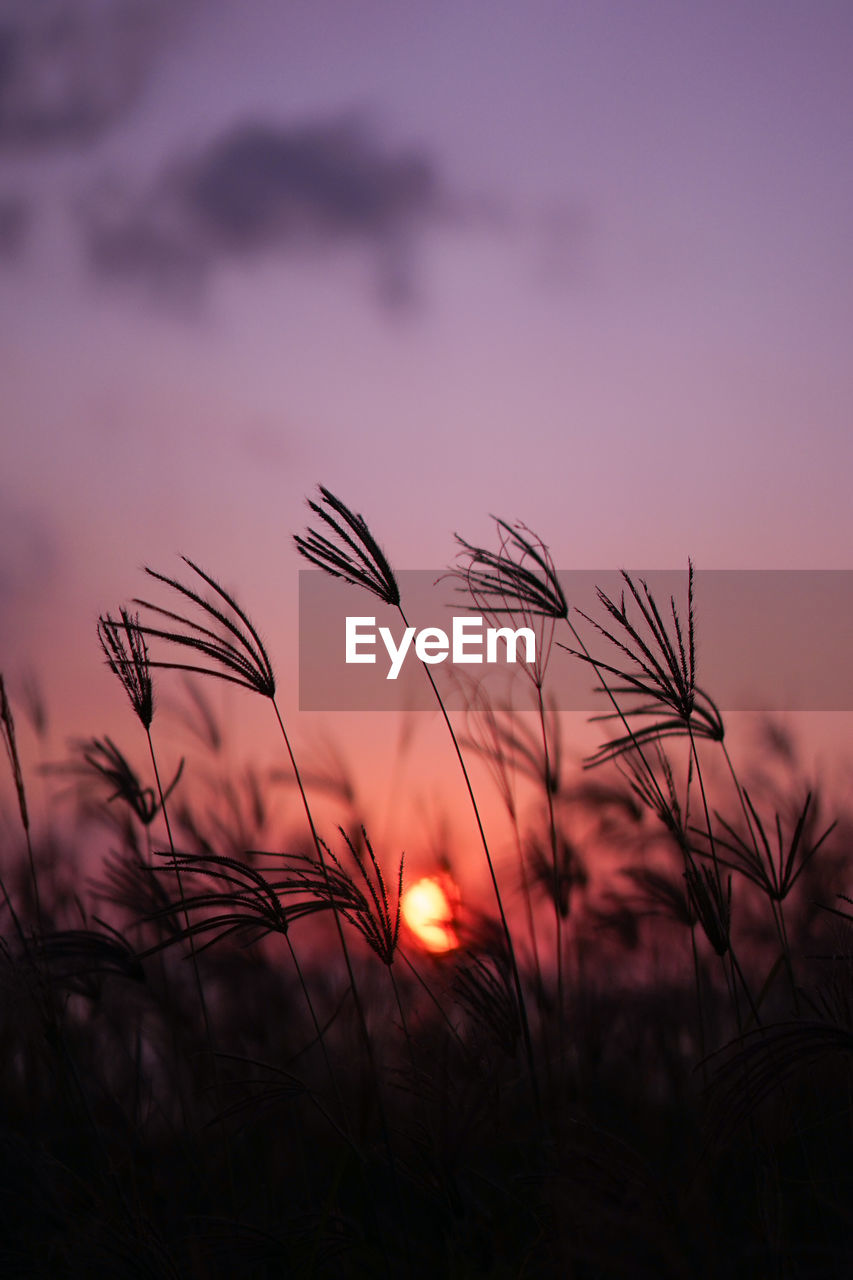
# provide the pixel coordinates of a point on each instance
(429, 913)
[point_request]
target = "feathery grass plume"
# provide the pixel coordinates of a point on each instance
(35, 705)
(507, 743)
(133, 667)
(327, 769)
(77, 958)
(243, 904)
(356, 556)
(133, 885)
(126, 653)
(239, 657)
(361, 562)
(559, 877)
(199, 717)
(483, 986)
(492, 734)
(262, 1092)
(774, 873)
(102, 760)
(519, 580)
(663, 800)
(236, 649)
(490, 730)
(662, 669)
(711, 905)
(660, 894)
(240, 903)
(770, 1057)
(371, 912)
(504, 582)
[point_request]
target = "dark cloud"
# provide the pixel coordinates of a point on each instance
(262, 188)
(70, 68)
(261, 185)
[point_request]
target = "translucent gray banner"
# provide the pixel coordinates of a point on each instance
(777, 639)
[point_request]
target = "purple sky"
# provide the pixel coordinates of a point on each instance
(585, 265)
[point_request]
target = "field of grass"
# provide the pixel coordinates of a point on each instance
(223, 1055)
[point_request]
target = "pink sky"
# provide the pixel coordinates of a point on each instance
(587, 266)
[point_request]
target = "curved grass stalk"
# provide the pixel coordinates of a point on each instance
(354, 555)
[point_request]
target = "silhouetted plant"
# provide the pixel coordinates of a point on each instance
(774, 873)
(662, 670)
(483, 985)
(356, 556)
(519, 578)
(109, 1161)
(357, 559)
(126, 653)
(102, 761)
(239, 657)
(370, 912)
(236, 648)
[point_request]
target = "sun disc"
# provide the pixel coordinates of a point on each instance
(429, 913)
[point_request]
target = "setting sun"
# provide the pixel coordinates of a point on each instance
(430, 914)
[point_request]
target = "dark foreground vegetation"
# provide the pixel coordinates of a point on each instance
(222, 1055)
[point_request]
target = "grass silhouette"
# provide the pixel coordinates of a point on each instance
(225, 1056)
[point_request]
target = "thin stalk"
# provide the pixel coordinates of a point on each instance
(165, 812)
(217, 1082)
(552, 827)
(434, 998)
(528, 908)
(7, 724)
(786, 947)
(707, 811)
(699, 1005)
(620, 713)
(739, 971)
(362, 1020)
(403, 1020)
(741, 798)
(33, 876)
(15, 918)
(729, 975)
(776, 907)
(161, 964)
(516, 977)
(317, 1029)
(318, 845)
(732, 957)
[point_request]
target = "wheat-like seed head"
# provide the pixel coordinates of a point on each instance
(711, 904)
(775, 873)
(353, 554)
(660, 669)
(519, 578)
(236, 648)
(126, 653)
(517, 581)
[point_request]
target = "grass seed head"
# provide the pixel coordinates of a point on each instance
(126, 653)
(234, 647)
(352, 553)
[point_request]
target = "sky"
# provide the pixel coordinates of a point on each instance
(582, 265)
